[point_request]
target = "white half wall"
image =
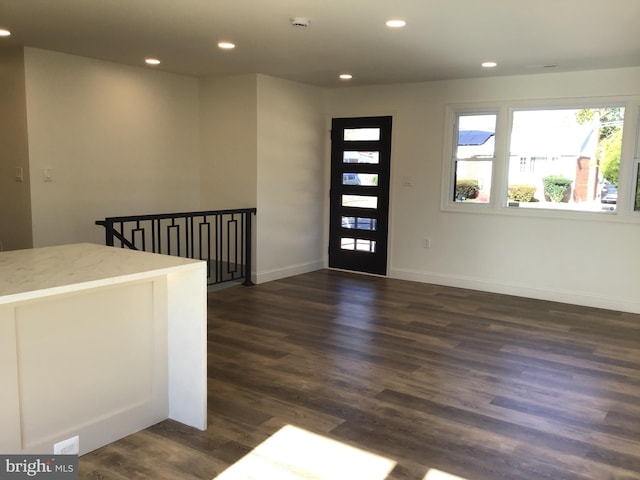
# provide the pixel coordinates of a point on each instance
(583, 261)
(116, 140)
(291, 190)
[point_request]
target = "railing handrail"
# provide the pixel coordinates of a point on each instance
(161, 216)
(220, 252)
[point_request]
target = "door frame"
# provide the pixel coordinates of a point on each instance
(353, 259)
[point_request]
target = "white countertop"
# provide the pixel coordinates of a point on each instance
(39, 272)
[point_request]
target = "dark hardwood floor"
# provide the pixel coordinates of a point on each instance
(479, 385)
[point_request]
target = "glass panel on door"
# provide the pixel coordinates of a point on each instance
(359, 223)
(360, 134)
(364, 179)
(358, 244)
(361, 157)
(359, 201)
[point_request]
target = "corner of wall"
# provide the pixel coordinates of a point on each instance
(15, 190)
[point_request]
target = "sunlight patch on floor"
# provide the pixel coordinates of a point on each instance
(296, 454)
(434, 474)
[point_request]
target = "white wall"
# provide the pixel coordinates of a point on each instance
(262, 145)
(123, 140)
(15, 197)
(119, 140)
(585, 261)
(228, 142)
(291, 190)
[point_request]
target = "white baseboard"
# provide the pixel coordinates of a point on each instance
(518, 290)
(286, 271)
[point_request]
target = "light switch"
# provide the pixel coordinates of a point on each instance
(19, 174)
(47, 175)
(407, 181)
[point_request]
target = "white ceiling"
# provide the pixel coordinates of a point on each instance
(443, 39)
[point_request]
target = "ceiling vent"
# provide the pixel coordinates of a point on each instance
(300, 22)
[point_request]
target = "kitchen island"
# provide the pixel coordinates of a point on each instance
(98, 342)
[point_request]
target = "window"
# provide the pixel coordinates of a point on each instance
(585, 145)
(356, 134)
(523, 164)
(361, 157)
(513, 156)
(636, 202)
(536, 160)
(473, 157)
(636, 171)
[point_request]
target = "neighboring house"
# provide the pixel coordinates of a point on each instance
(569, 151)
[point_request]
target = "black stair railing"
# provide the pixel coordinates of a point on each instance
(221, 237)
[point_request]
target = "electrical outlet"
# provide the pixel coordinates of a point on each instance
(70, 446)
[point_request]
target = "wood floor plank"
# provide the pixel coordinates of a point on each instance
(479, 385)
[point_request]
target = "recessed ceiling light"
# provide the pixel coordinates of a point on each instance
(489, 64)
(226, 45)
(396, 23)
(152, 61)
(4, 32)
(346, 76)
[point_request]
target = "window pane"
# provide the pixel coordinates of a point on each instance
(364, 179)
(355, 134)
(359, 223)
(565, 159)
(365, 245)
(361, 157)
(358, 244)
(359, 201)
(637, 200)
(476, 136)
(473, 181)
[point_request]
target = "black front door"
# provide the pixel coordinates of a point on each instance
(359, 202)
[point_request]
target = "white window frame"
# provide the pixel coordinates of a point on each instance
(498, 204)
(450, 150)
(635, 167)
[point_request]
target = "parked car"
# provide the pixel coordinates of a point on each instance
(609, 193)
(350, 179)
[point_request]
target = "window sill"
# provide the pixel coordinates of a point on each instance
(544, 211)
